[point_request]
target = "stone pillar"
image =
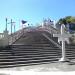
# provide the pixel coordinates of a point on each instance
(5, 40)
(63, 58)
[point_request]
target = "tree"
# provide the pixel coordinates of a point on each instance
(67, 19)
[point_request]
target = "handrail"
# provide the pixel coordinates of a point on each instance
(51, 40)
(51, 30)
(15, 36)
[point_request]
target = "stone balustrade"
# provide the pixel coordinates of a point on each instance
(15, 36)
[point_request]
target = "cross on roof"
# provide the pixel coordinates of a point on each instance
(62, 37)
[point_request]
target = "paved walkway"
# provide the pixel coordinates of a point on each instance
(50, 67)
(44, 69)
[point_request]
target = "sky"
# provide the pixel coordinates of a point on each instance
(34, 11)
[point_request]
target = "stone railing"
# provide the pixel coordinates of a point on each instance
(50, 29)
(6, 39)
(15, 36)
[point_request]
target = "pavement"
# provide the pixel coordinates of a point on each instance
(49, 67)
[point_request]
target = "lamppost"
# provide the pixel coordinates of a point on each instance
(11, 29)
(12, 25)
(6, 24)
(6, 34)
(14, 28)
(6, 31)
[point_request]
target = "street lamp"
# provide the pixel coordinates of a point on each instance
(6, 24)
(11, 29)
(11, 25)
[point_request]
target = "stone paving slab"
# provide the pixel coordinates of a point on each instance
(50, 67)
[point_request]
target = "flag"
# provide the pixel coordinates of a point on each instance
(23, 22)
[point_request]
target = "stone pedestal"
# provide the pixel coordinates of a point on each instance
(5, 39)
(64, 60)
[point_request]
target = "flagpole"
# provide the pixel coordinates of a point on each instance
(23, 22)
(6, 24)
(14, 28)
(11, 26)
(11, 30)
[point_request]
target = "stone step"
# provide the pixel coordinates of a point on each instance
(23, 63)
(69, 52)
(39, 56)
(32, 44)
(35, 44)
(27, 57)
(41, 48)
(4, 52)
(36, 54)
(44, 47)
(35, 48)
(37, 51)
(71, 57)
(48, 47)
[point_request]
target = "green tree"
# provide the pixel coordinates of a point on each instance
(65, 20)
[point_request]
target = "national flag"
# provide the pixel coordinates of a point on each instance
(23, 22)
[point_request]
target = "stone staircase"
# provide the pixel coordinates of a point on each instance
(32, 48)
(28, 55)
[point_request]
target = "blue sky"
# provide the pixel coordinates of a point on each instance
(34, 10)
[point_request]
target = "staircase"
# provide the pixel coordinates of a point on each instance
(32, 48)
